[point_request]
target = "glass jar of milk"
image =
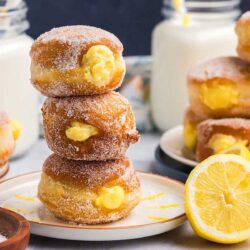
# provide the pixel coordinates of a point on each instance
(17, 97)
(193, 31)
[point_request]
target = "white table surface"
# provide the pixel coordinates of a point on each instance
(142, 154)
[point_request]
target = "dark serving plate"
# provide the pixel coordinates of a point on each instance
(170, 167)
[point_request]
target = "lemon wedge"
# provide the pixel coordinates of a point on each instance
(217, 198)
(238, 149)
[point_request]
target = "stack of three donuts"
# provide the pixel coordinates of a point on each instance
(87, 125)
(219, 97)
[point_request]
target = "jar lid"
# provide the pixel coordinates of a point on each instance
(212, 10)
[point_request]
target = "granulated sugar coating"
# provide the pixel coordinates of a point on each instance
(62, 47)
(231, 68)
(110, 113)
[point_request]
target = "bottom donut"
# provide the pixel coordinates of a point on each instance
(89, 192)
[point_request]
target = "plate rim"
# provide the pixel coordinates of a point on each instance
(178, 158)
(99, 227)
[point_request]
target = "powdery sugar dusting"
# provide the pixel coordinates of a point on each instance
(111, 111)
(89, 174)
(235, 123)
(76, 39)
(232, 68)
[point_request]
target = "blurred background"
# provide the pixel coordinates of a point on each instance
(132, 21)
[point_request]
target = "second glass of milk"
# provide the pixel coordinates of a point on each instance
(205, 31)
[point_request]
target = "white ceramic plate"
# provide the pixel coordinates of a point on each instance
(19, 194)
(172, 144)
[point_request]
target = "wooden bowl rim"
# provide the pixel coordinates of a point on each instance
(23, 228)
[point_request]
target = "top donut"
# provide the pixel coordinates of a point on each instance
(76, 60)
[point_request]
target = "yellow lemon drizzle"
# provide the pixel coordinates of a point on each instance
(16, 129)
(218, 95)
(110, 198)
(25, 198)
(153, 197)
(165, 206)
(157, 218)
(36, 220)
(79, 131)
(99, 64)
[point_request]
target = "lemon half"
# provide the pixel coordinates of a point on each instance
(217, 198)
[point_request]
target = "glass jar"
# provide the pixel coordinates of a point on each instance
(17, 96)
(200, 31)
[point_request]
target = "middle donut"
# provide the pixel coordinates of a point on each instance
(90, 128)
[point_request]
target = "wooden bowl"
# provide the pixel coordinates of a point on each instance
(15, 228)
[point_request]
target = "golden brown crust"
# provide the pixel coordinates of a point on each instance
(57, 56)
(230, 68)
(192, 118)
(69, 188)
(110, 113)
(62, 48)
(7, 143)
(89, 174)
(237, 127)
(222, 70)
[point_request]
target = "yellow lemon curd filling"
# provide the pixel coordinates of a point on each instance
(221, 142)
(16, 129)
(79, 131)
(190, 135)
(218, 95)
(100, 65)
(110, 198)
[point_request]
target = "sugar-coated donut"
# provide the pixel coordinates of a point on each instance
(214, 136)
(190, 122)
(89, 192)
(76, 60)
(7, 142)
(90, 128)
(220, 88)
(242, 30)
